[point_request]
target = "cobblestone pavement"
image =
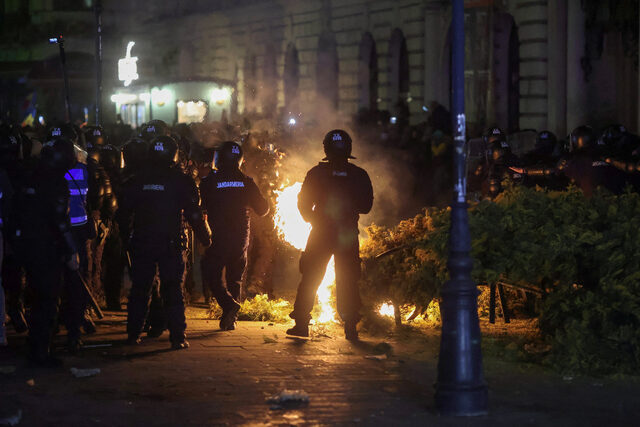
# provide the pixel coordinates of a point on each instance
(225, 378)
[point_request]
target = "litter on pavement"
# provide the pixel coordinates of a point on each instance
(84, 373)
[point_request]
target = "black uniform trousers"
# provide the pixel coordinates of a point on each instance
(113, 260)
(13, 283)
(233, 261)
(170, 262)
(44, 267)
(74, 297)
(322, 244)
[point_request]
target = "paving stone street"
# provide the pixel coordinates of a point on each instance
(225, 378)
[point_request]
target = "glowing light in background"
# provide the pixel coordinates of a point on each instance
(161, 96)
(128, 66)
(387, 309)
(220, 95)
(124, 98)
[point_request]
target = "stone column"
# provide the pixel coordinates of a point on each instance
(436, 76)
(576, 84)
(557, 67)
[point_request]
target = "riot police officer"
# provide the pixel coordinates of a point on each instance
(539, 166)
(81, 189)
(113, 259)
(94, 137)
(585, 166)
(154, 204)
(156, 322)
(622, 152)
(42, 236)
(497, 163)
(6, 194)
(228, 195)
(15, 150)
(153, 129)
(333, 195)
(134, 154)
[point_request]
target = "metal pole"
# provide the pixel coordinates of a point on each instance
(63, 60)
(98, 10)
(460, 388)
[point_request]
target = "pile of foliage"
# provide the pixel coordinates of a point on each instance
(259, 309)
(582, 253)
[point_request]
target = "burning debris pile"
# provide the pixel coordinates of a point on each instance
(260, 308)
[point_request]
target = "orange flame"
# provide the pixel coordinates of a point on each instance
(295, 231)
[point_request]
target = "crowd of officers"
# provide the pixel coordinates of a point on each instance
(79, 212)
(586, 160)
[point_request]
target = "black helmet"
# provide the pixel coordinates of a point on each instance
(184, 147)
(134, 152)
(202, 154)
(581, 138)
(58, 154)
(110, 157)
(63, 130)
(163, 151)
(494, 134)
(95, 136)
(14, 145)
(499, 151)
(228, 155)
(612, 138)
(154, 129)
(546, 140)
(337, 145)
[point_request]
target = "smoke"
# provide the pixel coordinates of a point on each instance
(390, 168)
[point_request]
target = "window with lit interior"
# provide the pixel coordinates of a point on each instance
(192, 111)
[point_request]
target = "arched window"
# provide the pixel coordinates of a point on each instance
(269, 88)
(506, 66)
(250, 83)
(399, 61)
(327, 70)
(368, 74)
(291, 76)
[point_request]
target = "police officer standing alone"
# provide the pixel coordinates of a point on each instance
(227, 196)
(153, 206)
(333, 195)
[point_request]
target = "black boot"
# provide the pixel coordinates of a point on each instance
(74, 345)
(41, 357)
(180, 345)
(299, 330)
(351, 330)
(228, 319)
(133, 340)
(154, 332)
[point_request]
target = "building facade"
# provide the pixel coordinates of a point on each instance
(530, 64)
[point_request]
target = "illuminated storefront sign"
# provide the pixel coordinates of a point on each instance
(128, 66)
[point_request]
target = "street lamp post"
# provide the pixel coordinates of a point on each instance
(98, 11)
(63, 61)
(460, 388)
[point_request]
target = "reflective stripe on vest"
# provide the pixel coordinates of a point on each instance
(79, 220)
(78, 182)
